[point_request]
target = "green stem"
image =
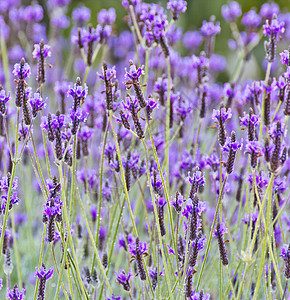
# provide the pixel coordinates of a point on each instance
(264, 245)
(167, 130)
(123, 176)
(211, 232)
(158, 224)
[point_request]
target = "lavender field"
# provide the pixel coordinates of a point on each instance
(136, 161)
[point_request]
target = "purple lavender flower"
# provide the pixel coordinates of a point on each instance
(13, 200)
(76, 117)
(254, 119)
(15, 293)
(107, 17)
(134, 73)
(53, 207)
(192, 39)
(230, 145)
(176, 7)
(275, 27)
(60, 21)
(37, 104)
(251, 19)
(129, 240)
(224, 114)
(285, 254)
(199, 295)
(39, 52)
(3, 100)
(284, 57)
(33, 13)
(43, 275)
(22, 72)
(142, 248)
(173, 34)
(6, 181)
(269, 9)
(1, 283)
(232, 11)
(210, 28)
(123, 279)
(81, 15)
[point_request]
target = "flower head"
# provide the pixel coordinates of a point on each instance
(176, 7)
(210, 28)
(107, 17)
(41, 51)
(15, 293)
(21, 71)
(134, 73)
(42, 273)
(275, 27)
(232, 11)
(123, 279)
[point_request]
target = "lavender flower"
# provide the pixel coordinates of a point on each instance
(43, 275)
(220, 230)
(284, 57)
(285, 254)
(107, 17)
(3, 100)
(37, 104)
(176, 7)
(232, 11)
(273, 31)
(41, 52)
(210, 28)
(123, 279)
(15, 293)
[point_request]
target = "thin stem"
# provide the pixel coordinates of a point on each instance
(123, 176)
(158, 224)
(211, 232)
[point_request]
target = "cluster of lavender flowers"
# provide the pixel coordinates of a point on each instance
(131, 171)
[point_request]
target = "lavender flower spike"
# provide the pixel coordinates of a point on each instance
(123, 279)
(43, 275)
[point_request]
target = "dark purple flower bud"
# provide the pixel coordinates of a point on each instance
(275, 156)
(234, 146)
(232, 11)
(161, 202)
(220, 230)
